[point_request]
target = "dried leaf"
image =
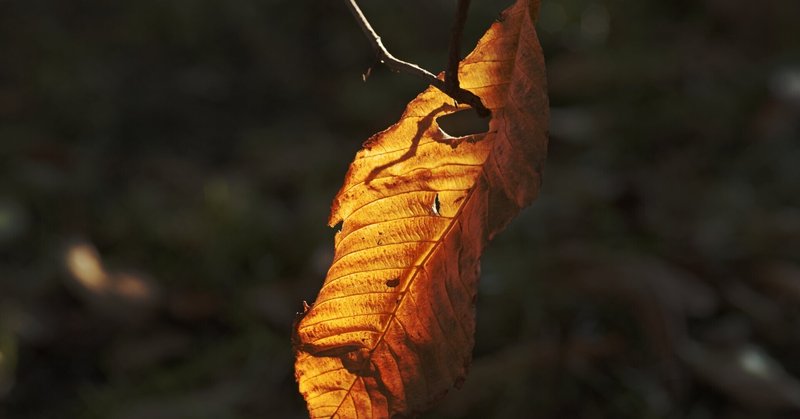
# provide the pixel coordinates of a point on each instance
(392, 329)
(125, 296)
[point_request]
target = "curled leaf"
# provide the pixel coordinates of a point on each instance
(392, 328)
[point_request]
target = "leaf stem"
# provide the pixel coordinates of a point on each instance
(451, 74)
(450, 85)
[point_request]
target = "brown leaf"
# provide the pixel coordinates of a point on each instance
(119, 295)
(392, 329)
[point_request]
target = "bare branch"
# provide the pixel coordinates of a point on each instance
(451, 74)
(454, 91)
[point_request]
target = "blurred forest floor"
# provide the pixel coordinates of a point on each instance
(166, 170)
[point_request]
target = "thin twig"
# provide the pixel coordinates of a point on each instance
(451, 74)
(455, 92)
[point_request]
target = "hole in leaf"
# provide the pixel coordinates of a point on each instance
(436, 205)
(463, 123)
(338, 226)
(393, 282)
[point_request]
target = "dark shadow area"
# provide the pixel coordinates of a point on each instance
(422, 125)
(463, 123)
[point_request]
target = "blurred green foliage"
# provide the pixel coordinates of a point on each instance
(199, 143)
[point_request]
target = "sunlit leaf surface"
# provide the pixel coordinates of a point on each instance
(392, 328)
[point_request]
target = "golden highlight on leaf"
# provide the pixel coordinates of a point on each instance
(392, 328)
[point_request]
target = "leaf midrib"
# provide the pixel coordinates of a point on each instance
(414, 275)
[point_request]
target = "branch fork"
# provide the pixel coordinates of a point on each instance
(450, 85)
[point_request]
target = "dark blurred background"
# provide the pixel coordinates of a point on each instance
(166, 170)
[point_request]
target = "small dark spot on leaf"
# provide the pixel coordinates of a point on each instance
(391, 283)
(357, 362)
(436, 205)
(338, 226)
